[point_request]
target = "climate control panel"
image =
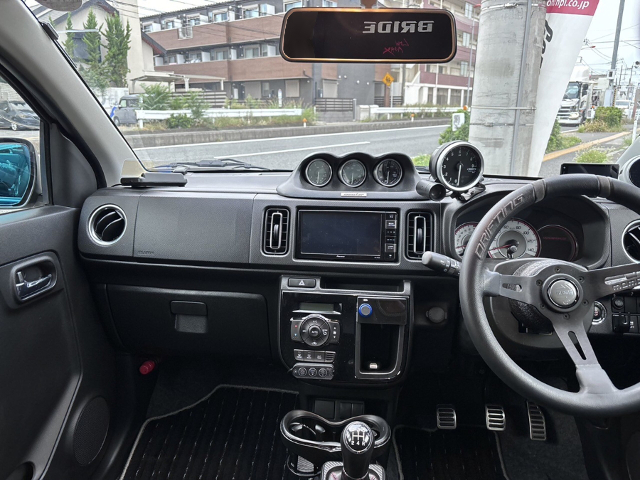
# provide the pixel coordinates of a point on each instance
(315, 330)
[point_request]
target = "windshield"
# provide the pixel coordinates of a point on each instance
(191, 84)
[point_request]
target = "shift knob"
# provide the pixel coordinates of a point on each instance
(357, 449)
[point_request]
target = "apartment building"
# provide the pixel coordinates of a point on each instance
(238, 41)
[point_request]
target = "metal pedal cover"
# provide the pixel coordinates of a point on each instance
(537, 423)
(446, 417)
(496, 419)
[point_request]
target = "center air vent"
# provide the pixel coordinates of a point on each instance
(107, 224)
(418, 234)
(631, 241)
(276, 231)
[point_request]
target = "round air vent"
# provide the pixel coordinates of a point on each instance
(107, 224)
(631, 241)
(630, 171)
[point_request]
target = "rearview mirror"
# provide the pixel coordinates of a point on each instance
(17, 171)
(347, 35)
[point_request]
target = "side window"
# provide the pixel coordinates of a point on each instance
(123, 103)
(19, 150)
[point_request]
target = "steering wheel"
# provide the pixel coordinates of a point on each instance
(560, 293)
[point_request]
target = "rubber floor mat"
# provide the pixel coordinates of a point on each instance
(461, 454)
(234, 433)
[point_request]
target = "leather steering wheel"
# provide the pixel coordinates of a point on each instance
(562, 293)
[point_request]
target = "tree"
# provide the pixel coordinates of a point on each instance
(69, 43)
(92, 41)
(118, 43)
(156, 97)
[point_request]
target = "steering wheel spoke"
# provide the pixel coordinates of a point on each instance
(607, 281)
(572, 334)
(515, 287)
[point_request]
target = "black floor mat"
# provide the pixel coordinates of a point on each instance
(462, 454)
(232, 434)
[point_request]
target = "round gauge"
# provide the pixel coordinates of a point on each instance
(462, 235)
(458, 165)
(318, 172)
(388, 172)
(515, 240)
(352, 173)
(558, 242)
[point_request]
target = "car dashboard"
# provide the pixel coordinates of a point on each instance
(319, 269)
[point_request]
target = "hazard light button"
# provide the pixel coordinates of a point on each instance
(302, 282)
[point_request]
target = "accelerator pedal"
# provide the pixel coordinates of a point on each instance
(537, 423)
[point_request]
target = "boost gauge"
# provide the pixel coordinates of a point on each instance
(318, 172)
(388, 172)
(353, 173)
(457, 165)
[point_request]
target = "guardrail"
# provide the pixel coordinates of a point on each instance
(374, 112)
(142, 115)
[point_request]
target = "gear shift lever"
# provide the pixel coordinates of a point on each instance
(357, 443)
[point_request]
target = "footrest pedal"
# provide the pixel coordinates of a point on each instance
(446, 417)
(537, 423)
(496, 419)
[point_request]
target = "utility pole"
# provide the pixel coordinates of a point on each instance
(616, 42)
(504, 99)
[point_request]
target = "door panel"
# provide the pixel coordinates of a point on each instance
(55, 364)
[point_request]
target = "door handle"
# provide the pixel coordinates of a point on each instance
(29, 289)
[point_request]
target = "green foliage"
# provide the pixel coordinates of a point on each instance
(92, 40)
(626, 143)
(557, 141)
(461, 134)
(177, 103)
(611, 116)
(422, 160)
(156, 97)
(592, 156)
(179, 121)
(196, 103)
(69, 44)
(598, 126)
(118, 43)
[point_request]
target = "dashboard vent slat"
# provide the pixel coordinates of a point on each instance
(107, 224)
(419, 239)
(631, 241)
(275, 234)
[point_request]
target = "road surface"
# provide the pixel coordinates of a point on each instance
(287, 152)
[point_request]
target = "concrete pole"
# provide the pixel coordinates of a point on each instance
(506, 82)
(473, 25)
(616, 42)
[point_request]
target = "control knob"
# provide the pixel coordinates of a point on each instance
(315, 330)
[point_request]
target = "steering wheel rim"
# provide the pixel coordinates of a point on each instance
(597, 395)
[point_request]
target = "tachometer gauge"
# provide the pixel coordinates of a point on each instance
(318, 172)
(388, 172)
(462, 235)
(352, 173)
(515, 240)
(457, 165)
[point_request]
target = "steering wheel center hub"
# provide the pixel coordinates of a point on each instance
(563, 293)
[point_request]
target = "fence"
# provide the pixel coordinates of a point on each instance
(335, 104)
(396, 101)
(373, 112)
(214, 99)
(142, 115)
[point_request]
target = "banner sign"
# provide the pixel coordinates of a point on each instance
(566, 26)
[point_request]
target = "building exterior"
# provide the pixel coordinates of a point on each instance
(142, 50)
(238, 41)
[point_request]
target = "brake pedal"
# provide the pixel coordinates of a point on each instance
(496, 419)
(446, 417)
(537, 423)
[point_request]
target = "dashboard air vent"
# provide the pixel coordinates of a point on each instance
(276, 231)
(631, 241)
(418, 234)
(107, 224)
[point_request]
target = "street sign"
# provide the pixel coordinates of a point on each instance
(457, 120)
(387, 80)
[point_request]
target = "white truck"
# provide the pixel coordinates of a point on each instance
(577, 99)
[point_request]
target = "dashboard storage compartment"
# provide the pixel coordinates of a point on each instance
(184, 322)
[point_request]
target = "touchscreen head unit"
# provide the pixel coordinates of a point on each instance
(365, 236)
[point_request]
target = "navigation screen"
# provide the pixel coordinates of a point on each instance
(340, 233)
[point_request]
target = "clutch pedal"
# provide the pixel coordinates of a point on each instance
(496, 419)
(446, 417)
(537, 423)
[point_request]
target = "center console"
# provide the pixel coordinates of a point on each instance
(331, 331)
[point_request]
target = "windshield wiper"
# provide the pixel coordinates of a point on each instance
(210, 165)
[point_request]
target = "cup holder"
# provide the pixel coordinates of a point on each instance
(318, 440)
